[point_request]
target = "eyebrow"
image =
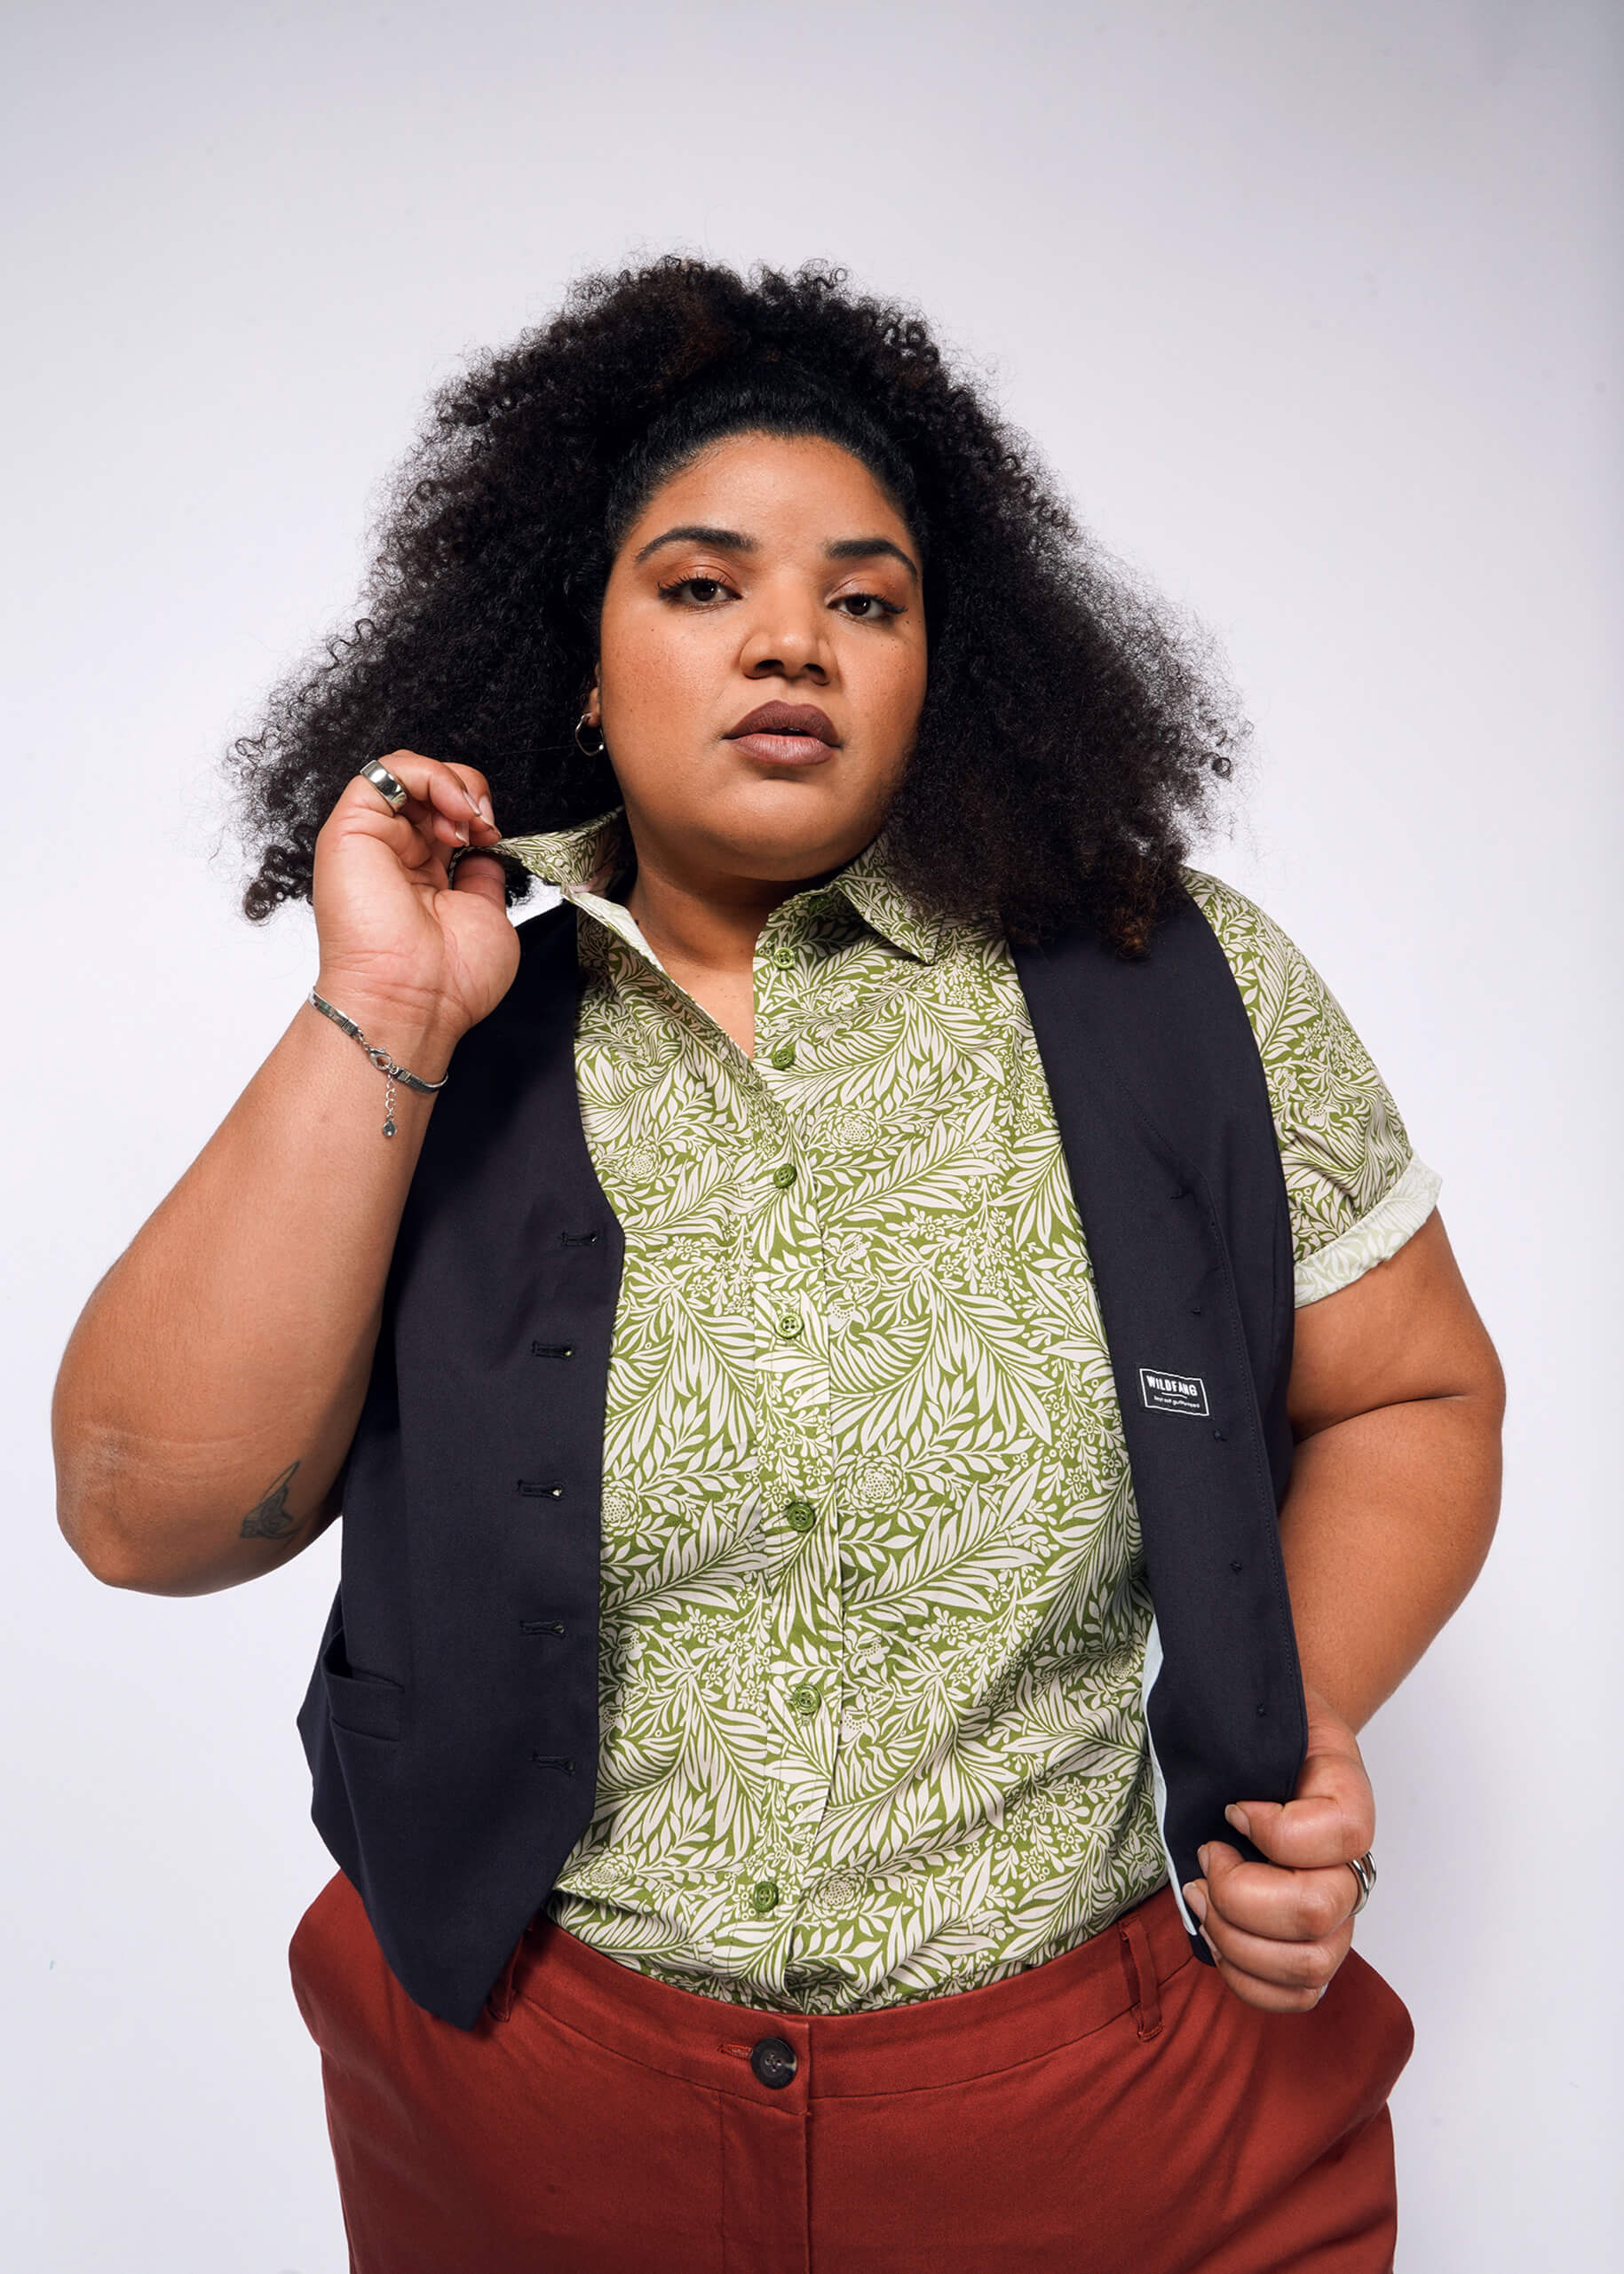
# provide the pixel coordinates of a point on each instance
(701, 533)
(866, 548)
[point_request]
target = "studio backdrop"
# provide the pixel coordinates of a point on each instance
(1313, 310)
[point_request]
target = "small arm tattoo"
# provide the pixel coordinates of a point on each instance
(268, 1520)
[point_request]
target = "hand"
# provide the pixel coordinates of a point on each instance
(1280, 1930)
(412, 961)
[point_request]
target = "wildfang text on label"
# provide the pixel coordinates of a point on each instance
(1172, 1393)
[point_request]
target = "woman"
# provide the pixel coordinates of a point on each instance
(819, 1497)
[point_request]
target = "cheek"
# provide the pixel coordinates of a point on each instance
(888, 688)
(662, 674)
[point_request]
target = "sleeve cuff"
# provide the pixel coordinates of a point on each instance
(1394, 1219)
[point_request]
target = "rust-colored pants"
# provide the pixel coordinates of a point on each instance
(1114, 2111)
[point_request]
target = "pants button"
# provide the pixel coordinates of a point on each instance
(773, 2060)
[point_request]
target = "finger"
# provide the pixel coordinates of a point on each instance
(478, 788)
(1278, 1904)
(460, 796)
(1288, 1965)
(1331, 1817)
(1311, 1833)
(440, 804)
(1269, 1997)
(476, 874)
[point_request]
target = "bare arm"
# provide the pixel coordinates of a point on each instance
(212, 1386)
(1396, 1401)
(1396, 1398)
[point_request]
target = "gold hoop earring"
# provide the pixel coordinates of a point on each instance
(585, 748)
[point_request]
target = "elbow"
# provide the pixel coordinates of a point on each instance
(92, 1530)
(93, 1513)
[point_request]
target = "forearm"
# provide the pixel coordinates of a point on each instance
(1387, 1519)
(212, 1386)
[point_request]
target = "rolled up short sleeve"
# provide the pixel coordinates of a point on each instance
(1356, 1190)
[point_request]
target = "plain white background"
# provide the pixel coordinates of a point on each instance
(1312, 306)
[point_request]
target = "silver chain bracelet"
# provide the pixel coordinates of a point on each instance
(385, 1064)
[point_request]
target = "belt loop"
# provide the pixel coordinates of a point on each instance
(499, 2003)
(1140, 1968)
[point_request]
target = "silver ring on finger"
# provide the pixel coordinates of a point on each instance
(1364, 1870)
(394, 793)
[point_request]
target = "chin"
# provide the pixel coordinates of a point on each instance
(786, 834)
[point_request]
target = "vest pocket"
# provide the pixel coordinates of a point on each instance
(366, 1705)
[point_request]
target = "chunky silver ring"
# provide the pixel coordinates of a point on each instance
(394, 793)
(1364, 1869)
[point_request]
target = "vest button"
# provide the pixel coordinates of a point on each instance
(784, 1056)
(784, 1175)
(764, 1896)
(773, 2060)
(805, 1700)
(789, 1325)
(800, 1516)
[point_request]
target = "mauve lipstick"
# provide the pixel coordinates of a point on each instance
(789, 733)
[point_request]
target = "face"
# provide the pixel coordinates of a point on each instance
(762, 663)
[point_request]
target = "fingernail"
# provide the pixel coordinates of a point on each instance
(473, 802)
(1196, 1901)
(1241, 1821)
(462, 833)
(485, 808)
(1201, 1854)
(1207, 1940)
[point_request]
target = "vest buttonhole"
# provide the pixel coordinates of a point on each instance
(552, 1350)
(579, 1238)
(555, 1625)
(565, 1766)
(531, 1491)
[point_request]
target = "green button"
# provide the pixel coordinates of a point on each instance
(764, 1896)
(784, 1175)
(800, 1516)
(789, 1325)
(785, 958)
(784, 1055)
(806, 1700)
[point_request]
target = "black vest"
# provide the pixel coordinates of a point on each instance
(451, 1722)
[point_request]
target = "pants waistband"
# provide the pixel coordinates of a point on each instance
(932, 2042)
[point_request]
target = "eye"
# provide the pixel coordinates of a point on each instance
(696, 591)
(867, 608)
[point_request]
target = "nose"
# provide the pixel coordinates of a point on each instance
(787, 639)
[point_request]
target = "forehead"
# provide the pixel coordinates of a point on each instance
(774, 484)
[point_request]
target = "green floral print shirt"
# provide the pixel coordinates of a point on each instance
(873, 1610)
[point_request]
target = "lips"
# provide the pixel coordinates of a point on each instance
(796, 734)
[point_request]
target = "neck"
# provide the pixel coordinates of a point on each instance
(704, 932)
(698, 926)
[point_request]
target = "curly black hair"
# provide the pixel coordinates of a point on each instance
(1071, 727)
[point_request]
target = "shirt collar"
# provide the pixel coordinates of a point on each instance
(581, 863)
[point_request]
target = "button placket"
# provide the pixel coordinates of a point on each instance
(802, 1599)
(801, 1595)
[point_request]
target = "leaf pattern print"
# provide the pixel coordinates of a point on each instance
(873, 1610)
